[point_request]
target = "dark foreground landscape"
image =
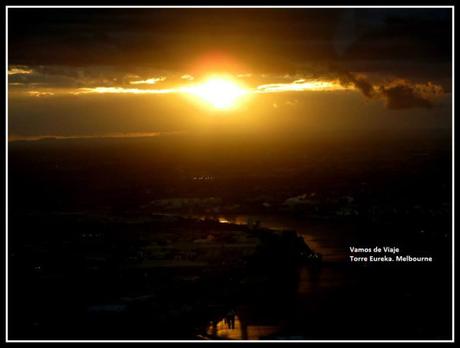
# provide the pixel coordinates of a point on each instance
(184, 237)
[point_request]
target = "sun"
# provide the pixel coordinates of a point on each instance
(220, 92)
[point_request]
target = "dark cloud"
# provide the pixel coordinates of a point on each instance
(360, 82)
(400, 94)
(397, 93)
(265, 39)
(403, 95)
(403, 34)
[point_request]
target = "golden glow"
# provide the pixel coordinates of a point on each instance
(40, 94)
(150, 81)
(17, 70)
(121, 90)
(218, 91)
(187, 77)
(302, 85)
(222, 92)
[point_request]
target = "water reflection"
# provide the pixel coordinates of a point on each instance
(314, 280)
(224, 220)
(238, 330)
(328, 240)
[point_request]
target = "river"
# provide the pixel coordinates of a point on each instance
(326, 238)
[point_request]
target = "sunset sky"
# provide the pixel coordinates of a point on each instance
(110, 72)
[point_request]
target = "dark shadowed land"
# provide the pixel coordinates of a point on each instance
(197, 237)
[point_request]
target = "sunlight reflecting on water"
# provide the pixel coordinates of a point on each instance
(239, 331)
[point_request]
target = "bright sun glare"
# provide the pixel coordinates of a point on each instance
(220, 92)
